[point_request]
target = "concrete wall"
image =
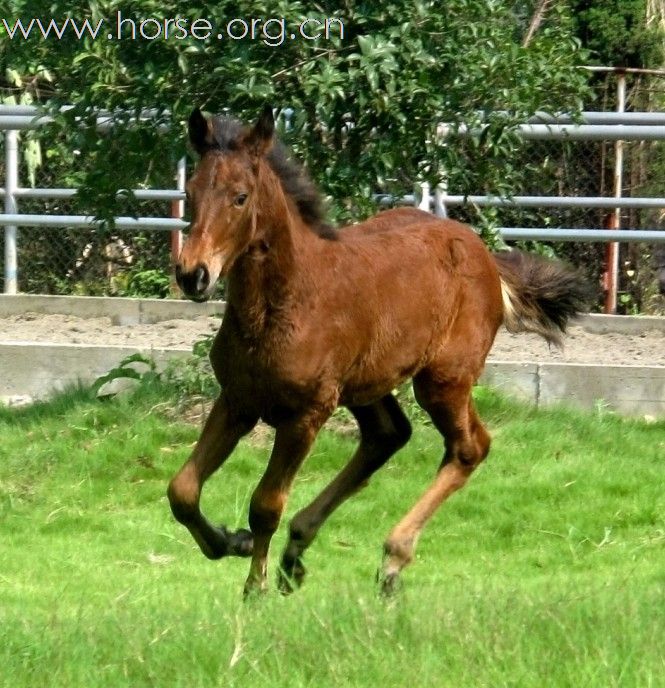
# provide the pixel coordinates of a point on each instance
(33, 370)
(122, 311)
(629, 390)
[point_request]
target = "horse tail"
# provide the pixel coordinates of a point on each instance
(539, 295)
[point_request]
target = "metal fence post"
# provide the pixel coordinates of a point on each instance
(441, 189)
(177, 212)
(440, 193)
(612, 252)
(11, 231)
(178, 209)
(425, 197)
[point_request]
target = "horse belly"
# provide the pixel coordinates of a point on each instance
(390, 361)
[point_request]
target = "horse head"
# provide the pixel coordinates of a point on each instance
(223, 194)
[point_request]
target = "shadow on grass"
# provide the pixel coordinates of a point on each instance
(57, 404)
(74, 398)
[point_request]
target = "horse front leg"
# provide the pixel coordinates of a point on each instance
(222, 430)
(293, 441)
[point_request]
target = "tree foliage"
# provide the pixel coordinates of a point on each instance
(617, 34)
(365, 103)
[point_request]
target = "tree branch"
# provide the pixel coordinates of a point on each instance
(536, 21)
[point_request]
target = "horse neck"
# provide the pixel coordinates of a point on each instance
(267, 279)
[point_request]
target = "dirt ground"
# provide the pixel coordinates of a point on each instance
(580, 346)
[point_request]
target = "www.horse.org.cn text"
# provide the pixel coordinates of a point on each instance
(273, 31)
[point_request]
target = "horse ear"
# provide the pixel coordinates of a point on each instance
(201, 134)
(260, 136)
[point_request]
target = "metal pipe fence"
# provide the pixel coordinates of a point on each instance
(11, 229)
(87, 221)
(490, 201)
(619, 131)
(542, 129)
(15, 120)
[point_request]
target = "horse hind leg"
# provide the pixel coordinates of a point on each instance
(384, 429)
(466, 445)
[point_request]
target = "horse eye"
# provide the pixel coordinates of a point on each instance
(240, 200)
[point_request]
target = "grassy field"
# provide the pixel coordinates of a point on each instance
(547, 570)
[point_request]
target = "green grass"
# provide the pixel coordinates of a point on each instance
(548, 569)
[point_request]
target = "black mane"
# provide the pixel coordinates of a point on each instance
(295, 180)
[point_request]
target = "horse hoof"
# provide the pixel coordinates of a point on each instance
(254, 590)
(285, 584)
(227, 543)
(217, 546)
(389, 584)
(241, 543)
(291, 576)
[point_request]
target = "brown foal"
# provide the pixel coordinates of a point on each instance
(316, 318)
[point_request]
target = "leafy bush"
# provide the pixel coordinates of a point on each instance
(145, 373)
(148, 284)
(193, 376)
(187, 376)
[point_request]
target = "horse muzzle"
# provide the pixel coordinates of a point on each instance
(195, 284)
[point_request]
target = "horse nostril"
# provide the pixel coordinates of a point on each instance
(202, 278)
(193, 283)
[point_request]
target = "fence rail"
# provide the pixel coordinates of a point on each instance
(57, 193)
(88, 222)
(588, 235)
(532, 201)
(584, 132)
